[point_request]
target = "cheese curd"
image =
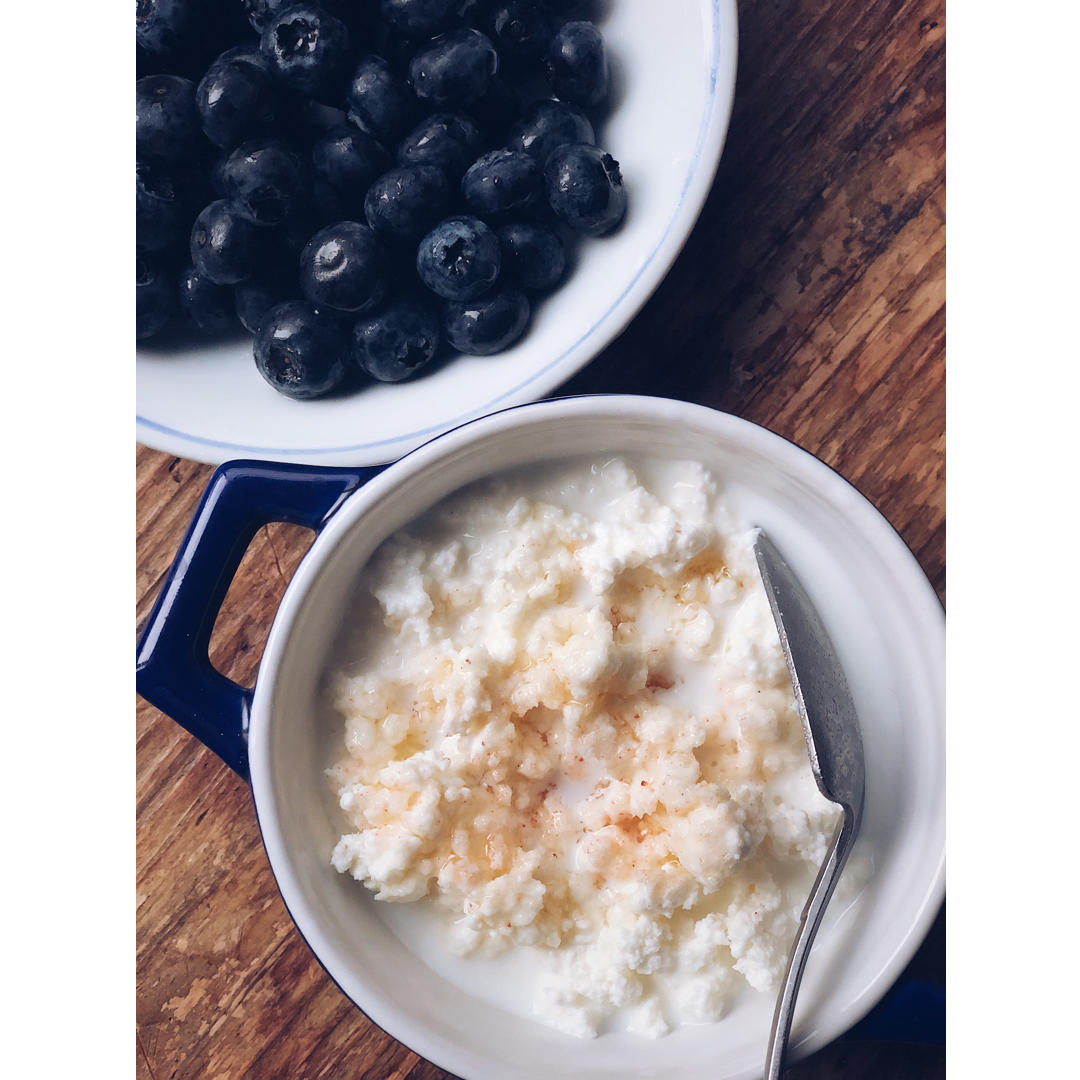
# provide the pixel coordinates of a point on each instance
(569, 725)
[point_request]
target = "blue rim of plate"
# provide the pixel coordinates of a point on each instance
(480, 410)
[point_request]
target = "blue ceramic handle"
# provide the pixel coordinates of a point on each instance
(172, 663)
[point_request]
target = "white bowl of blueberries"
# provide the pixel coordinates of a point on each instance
(418, 210)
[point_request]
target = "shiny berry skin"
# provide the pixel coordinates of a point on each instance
(300, 352)
(155, 296)
(449, 141)
(225, 247)
(349, 160)
(502, 182)
(487, 325)
(237, 100)
(307, 49)
(454, 70)
(521, 29)
(268, 180)
(398, 342)
(404, 203)
(533, 256)
(546, 125)
(161, 211)
(576, 64)
(459, 259)
(585, 188)
(342, 267)
(208, 307)
(167, 126)
(164, 26)
(419, 18)
(379, 100)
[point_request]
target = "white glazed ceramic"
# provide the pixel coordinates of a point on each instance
(889, 631)
(673, 71)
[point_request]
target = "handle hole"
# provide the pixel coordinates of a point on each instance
(244, 621)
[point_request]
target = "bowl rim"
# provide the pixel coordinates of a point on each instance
(712, 134)
(880, 534)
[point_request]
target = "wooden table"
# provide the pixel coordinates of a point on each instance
(810, 299)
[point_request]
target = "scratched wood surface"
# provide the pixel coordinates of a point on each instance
(810, 299)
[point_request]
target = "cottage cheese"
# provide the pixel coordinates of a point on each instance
(569, 726)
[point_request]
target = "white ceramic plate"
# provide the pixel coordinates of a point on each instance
(888, 629)
(673, 72)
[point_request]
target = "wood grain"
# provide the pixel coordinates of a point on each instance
(810, 298)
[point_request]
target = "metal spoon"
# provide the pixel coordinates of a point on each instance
(836, 756)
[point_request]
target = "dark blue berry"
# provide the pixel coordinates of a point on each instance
(208, 306)
(404, 203)
(454, 70)
(521, 29)
(532, 255)
(419, 18)
(161, 212)
(155, 296)
(397, 342)
(349, 160)
(300, 352)
(585, 188)
(237, 100)
(380, 101)
(167, 124)
(341, 267)
(502, 182)
(488, 325)
(449, 141)
(547, 125)
(256, 296)
(576, 64)
(459, 259)
(268, 180)
(307, 48)
(225, 247)
(165, 26)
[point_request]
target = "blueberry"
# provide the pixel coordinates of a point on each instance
(256, 296)
(403, 203)
(300, 352)
(459, 259)
(532, 255)
(209, 307)
(454, 70)
(501, 182)
(161, 212)
(585, 188)
(237, 100)
(488, 325)
(419, 18)
(155, 296)
(341, 267)
(521, 29)
(267, 179)
(248, 53)
(307, 49)
(398, 342)
(380, 101)
(164, 26)
(576, 64)
(349, 160)
(449, 141)
(167, 124)
(546, 125)
(224, 246)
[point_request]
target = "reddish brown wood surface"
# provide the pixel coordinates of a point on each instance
(810, 299)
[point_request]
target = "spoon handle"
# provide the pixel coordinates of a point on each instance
(812, 912)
